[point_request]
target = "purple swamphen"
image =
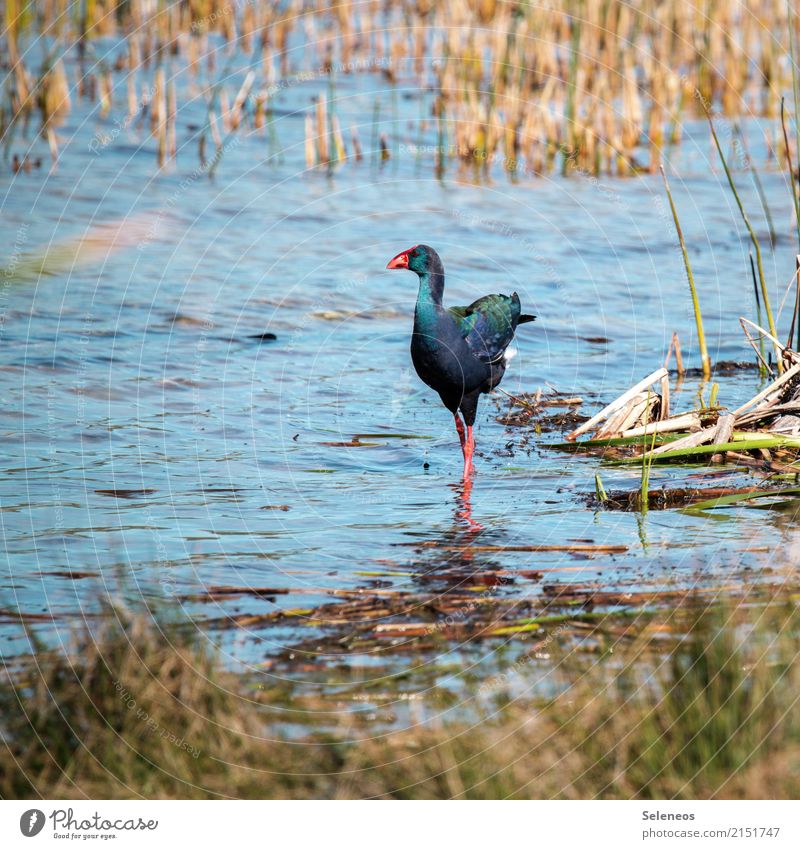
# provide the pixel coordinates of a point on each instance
(460, 352)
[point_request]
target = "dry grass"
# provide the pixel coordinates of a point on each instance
(711, 714)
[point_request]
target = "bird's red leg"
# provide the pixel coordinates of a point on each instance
(460, 428)
(469, 450)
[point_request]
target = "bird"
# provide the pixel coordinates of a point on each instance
(460, 352)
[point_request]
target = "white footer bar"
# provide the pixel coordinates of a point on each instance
(396, 825)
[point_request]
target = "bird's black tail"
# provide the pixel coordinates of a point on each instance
(525, 318)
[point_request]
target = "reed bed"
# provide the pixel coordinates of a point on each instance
(141, 709)
(588, 86)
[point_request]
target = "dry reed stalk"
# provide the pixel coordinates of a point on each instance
(693, 440)
(676, 343)
(159, 115)
(723, 434)
(530, 81)
(761, 397)
(323, 152)
(241, 98)
(764, 366)
(224, 110)
(310, 147)
(52, 143)
(172, 145)
(338, 139)
(215, 133)
(259, 110)
(627, 417)
(617, 403)
(785, 352)
(357, 152)
(133, 104)
(684, 421)
(105, 87)
(247, 28)
(665, 400)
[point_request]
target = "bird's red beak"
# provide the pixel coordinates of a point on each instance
(400, 261)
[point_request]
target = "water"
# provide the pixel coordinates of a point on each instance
(152, 448)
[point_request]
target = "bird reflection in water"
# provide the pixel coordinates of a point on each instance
(463, 514)
(459, 553)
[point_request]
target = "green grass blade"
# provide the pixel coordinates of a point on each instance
(725, 500)
(753, 237)
(698, 318)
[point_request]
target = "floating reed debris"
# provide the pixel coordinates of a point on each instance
(631, 395)
(762, 434)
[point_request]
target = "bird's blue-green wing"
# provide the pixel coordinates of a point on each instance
(488, 325)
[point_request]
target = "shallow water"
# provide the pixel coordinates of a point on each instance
(152, 448)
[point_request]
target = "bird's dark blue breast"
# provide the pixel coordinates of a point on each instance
(443, 360)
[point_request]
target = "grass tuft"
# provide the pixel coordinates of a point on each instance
(701, 704)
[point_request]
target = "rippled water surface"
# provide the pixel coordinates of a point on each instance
(152, 446)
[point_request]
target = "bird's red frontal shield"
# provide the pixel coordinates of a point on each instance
(399, 261)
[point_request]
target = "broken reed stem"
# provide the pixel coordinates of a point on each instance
(794, 281)
(701, 336)
(764, 366)
(753, 237)
(676, 342)
(773, 387)
(616, 404)
(599, 489)
(786, 352)
(311, 158)
(519, 401)
(664, 397)
(683, 421)
(52, 142)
